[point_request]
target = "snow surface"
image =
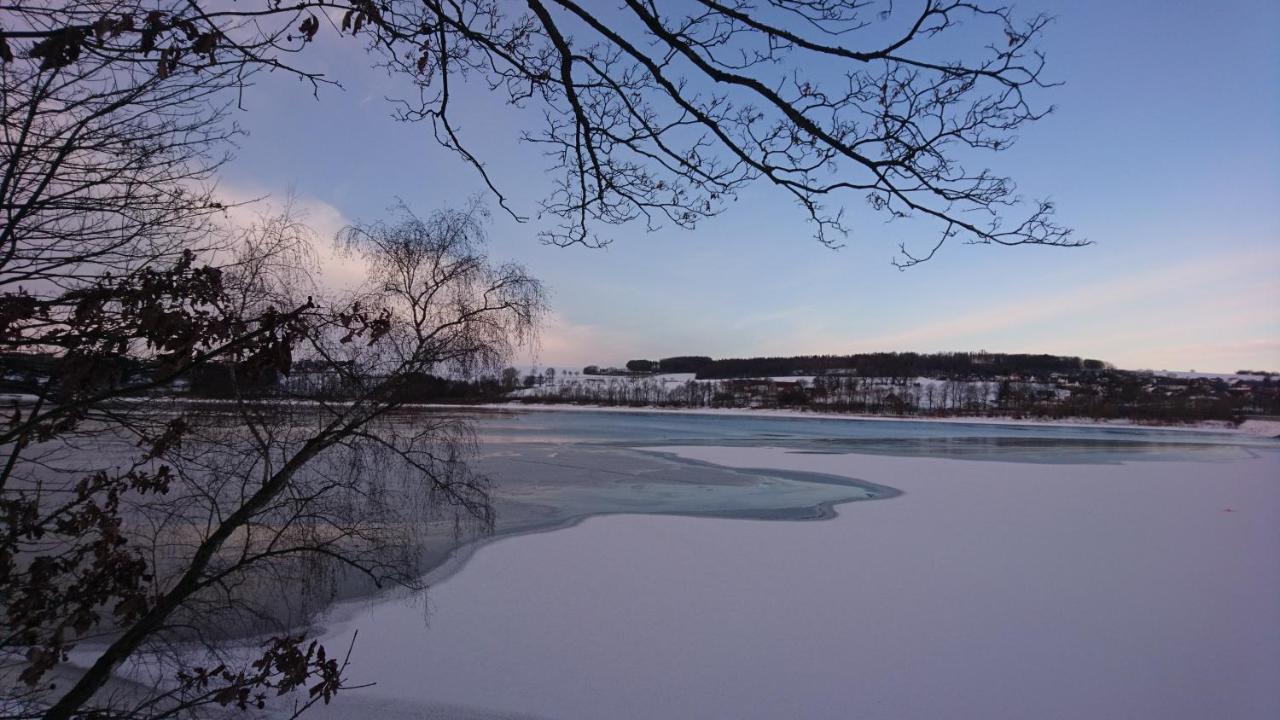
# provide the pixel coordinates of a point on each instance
(989, 590)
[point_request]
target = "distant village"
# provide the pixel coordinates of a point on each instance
(906, 384)
(893, 384)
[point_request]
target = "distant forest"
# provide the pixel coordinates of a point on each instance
(969, 365)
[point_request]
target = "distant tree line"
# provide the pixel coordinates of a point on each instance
(971, 365)
(684, 363)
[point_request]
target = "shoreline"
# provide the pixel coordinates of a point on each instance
(1267, 429)
(1263, 429)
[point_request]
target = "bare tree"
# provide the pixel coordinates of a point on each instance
(510, 376)
(103, 295)
(191, 542)
(662, 111)
(136, 520)
(434, 274)
(106, 166)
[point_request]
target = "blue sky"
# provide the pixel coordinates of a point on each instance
(1164, 150)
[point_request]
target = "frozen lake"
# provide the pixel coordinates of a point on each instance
(1023, 572)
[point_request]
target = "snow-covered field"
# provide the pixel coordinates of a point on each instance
(989, 590)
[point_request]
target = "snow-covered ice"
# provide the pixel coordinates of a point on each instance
(988, 590)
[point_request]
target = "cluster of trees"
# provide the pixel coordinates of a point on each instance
(624, 371)
(972, 365)
(512, 379)
(1110, 395)
(684, 363)
(679, 364)
(414, 388)
(27, 373)
(634, 390)
(885, 364)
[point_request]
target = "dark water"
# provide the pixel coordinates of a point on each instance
(987, 442)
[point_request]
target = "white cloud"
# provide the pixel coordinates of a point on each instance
(337, 271)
